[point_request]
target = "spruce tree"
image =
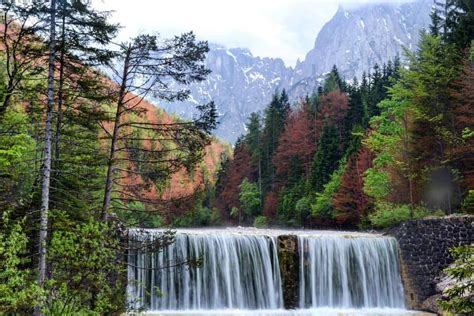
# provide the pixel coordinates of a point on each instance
(326, 158)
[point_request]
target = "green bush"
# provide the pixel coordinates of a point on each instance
(87, 276)
(18, 288)
(249, 197)
(468, 204)
(389, 214)
(458, 299)
(260, 222)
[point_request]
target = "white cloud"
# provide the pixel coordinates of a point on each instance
(269, 28)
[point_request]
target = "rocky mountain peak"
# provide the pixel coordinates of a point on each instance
(354, 40)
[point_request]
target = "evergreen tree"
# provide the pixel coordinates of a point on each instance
(459, 23)
(274, 119)
(326, 158)
(253, 140)
(149, 66)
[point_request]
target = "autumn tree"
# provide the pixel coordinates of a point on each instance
(350, 201)
(296, 144)
(23, 50)
(239, 168)
(147, 66)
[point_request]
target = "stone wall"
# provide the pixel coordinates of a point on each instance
(424, 252)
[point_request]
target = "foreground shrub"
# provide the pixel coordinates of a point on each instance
(458, 299)
(389, 214)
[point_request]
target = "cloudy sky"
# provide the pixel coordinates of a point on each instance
(273, 28)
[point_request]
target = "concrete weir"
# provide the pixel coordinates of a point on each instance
(253, 269)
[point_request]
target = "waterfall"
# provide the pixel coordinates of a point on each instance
(240, 270)
(237, 272)
(349, 272)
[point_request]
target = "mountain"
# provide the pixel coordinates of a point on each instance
(239, 84)
(354, 40)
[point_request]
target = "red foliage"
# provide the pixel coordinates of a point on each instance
(303, 129)
(271, 205)
(334, 106)
(462, 152)
(297, 140)
(239, 169)
(350, 201)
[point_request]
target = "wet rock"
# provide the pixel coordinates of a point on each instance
(289, 269)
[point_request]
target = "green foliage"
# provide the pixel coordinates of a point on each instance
(333, 81)
(136, 214)
(198, 217)
(17, 150)
(274, 125)
(87, 271)
(468, 204)
(288, 211)
(250, 198)
(390, 214)
(303, 209)
(234, 212)
(326, 158)
(376, 183)
(458, 299)
(260, 222)
(322, 206)
(18, 288)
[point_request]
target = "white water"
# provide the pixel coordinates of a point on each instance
(240, 271)
(349, 272)
(298, 312)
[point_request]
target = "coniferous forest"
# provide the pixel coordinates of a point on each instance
(84, 156)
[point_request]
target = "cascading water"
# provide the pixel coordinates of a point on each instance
(240, 270)
(349, 272)
(237, 272)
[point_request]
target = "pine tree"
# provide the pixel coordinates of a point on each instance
(253, 140)
(22, 46)
(274, 124)
(459, 23)
(149, 66)
(327, 156)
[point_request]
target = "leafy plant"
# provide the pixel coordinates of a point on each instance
(458, 299)
(390, 214)
(260, 222)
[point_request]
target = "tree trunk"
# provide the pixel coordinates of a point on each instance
(115, 134)
(46, 173)
(59, 119)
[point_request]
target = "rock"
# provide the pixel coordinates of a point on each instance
(354, 40)
(289, 269)
(431, 305)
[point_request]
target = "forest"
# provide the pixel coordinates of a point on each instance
(396, 145)
(84, 156)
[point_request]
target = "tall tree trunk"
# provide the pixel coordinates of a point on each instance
(59, 119)
(115, 135)
(46, 173)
